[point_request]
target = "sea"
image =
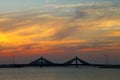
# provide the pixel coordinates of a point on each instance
(59, 73)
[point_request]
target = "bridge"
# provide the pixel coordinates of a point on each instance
(74, 62)
(45, 62)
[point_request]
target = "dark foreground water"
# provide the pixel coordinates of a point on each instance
(59, 74)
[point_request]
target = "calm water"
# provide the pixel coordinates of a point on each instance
(59, 74)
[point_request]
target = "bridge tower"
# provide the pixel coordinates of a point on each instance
(76, 61)
(41, 62)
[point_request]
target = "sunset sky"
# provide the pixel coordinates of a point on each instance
(60, 30)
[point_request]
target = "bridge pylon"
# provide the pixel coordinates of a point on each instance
(41, 62)
(76, 61)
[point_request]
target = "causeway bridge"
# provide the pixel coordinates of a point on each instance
(74, 62)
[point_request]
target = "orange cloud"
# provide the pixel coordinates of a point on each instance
(114, 33)
(4, 19)
(91, 49)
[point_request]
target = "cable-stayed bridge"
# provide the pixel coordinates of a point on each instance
(74, 62)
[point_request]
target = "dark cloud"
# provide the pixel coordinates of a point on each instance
(80, 14)
(65, 32)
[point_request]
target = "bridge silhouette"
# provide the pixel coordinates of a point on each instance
(45, 62)
(74, 62)
(41, 62)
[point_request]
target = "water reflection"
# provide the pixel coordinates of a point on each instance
(59, 74)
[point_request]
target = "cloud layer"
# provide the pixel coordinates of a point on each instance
(62, 29)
